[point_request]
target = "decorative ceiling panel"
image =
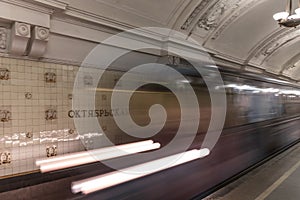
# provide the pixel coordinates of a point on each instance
(241, 35)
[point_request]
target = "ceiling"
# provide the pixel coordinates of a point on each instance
(242, 31)
(239, 31)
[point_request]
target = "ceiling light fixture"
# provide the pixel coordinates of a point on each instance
(288, 18)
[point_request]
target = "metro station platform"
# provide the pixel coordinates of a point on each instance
(277, 179)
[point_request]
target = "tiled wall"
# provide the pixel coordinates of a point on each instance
(34, 104)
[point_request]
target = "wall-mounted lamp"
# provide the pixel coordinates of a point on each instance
(288, 18)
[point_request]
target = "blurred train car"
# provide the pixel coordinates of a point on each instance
(251, 99)
(262, 118)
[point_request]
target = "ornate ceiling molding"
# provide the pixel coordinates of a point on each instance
(292, 73)
(98, 19)
(24, 12)
(3, 39)
(239, 8)
(42, 33)
(260, 45)
(23, 30)
(220, 14)
(291, 65)
(38, 42)
(192, 17)
(211, 19)
(272, 44)
(21, 33)
(28, 5)
(57, 4)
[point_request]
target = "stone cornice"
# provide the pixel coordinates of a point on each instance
(56, 4)
(98, 19)
(29, 6)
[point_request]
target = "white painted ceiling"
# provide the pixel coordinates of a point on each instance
(242, 31)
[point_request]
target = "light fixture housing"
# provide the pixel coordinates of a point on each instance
(287, 18)
(280, 16)
(294, 17)
(290, 23)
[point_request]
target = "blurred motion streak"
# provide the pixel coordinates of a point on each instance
(76, 159)
(114, 178)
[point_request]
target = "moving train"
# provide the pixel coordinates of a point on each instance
(262, 118)
(251, 99)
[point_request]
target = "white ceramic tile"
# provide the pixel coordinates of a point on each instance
(28, 115)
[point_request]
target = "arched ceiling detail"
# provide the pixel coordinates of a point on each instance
(273, 44)
(241, 32)
(276, 62)
(294, 71)
(244, 32)
(291, 67)
(211, 17)
(238, 35)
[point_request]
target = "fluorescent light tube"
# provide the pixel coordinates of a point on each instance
(91, 158)
(114, 178)
(96, 151)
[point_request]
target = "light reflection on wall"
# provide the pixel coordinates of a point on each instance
(253, 89)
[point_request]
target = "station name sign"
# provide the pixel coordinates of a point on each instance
(97, 113)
